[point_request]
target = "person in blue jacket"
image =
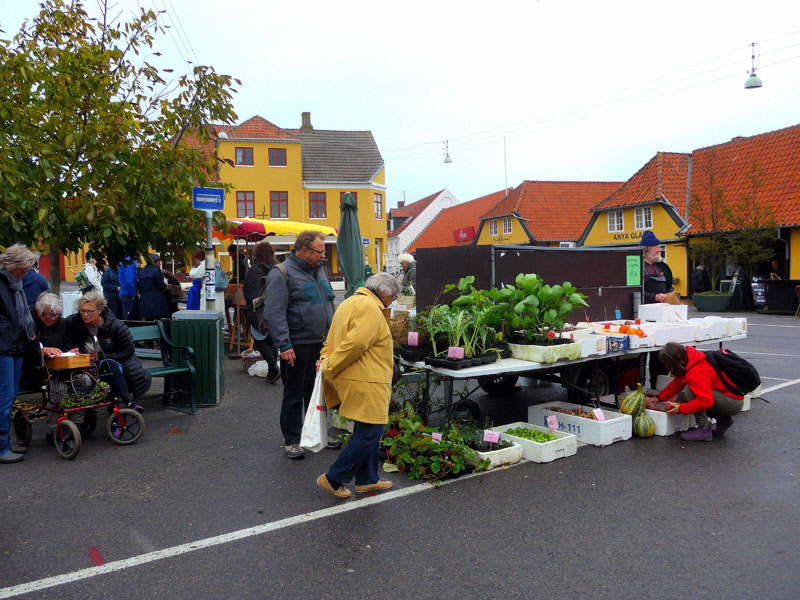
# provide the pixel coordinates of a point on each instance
(152, 303)
(128, 275)
(110, 283)
(33, 284)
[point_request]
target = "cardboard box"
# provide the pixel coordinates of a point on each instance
(615, 428)
(663, 312)
(565, 445)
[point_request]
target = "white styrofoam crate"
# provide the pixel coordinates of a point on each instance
(704, 330)
(502, 456)
(720, 326)
(732, 325)
(592, 344)
(667, 424)
(663, 312)
(748, 397)
(341, 422)
(597, 328)
(565, 445)
(669, 332)
(616, 427)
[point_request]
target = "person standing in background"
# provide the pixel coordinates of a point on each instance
(128, 275)
(110, 283)
(253, 284)
(34, 284)
(657, 284)
(93, 274)
(152, 303)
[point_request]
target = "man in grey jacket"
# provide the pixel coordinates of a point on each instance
(299, 310)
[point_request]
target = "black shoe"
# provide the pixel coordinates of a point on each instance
(273, 376)
(333, 443)
(137, 407)
(19, 449)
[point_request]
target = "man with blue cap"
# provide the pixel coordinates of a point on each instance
(657, 284)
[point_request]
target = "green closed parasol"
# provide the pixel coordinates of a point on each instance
(349, 245)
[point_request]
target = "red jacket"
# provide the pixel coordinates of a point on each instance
(701, 378)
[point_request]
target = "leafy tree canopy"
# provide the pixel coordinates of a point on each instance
(91, 136)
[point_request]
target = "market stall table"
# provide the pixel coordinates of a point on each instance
(566, 370)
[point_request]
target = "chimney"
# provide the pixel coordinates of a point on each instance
(401, 203)
(306, 126)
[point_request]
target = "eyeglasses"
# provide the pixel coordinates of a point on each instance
(51, 315)
(86, 311)
(320, 252)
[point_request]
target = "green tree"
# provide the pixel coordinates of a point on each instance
(92, 136)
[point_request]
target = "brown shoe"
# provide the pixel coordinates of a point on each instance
(378, 486)
(341, 493)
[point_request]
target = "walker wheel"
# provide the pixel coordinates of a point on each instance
(125, 427)
(22, 427)
(67, 439)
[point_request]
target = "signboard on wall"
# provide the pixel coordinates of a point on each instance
(464, 234)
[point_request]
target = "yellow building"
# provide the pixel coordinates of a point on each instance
(653, 199)
(300, 175)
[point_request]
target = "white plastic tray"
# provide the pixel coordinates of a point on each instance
(615, 428)
(565, 445)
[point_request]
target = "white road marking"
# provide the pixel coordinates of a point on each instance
(743, 352)
(133, 561)
(776, 378)
(765, 325)
(780, 386)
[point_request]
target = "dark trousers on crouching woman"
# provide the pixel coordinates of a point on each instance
(359, 458)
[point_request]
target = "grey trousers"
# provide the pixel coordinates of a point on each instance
(723, 405)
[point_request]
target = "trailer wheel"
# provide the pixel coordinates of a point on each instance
(499, 385)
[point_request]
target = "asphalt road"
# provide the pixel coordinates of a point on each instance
(656, 518)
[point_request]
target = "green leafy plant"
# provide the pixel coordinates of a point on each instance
(410, 446)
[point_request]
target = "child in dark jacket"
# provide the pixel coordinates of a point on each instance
(699, 390)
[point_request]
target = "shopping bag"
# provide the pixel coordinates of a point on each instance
(314, 436)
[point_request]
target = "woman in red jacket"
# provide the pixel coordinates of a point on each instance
(700, 392)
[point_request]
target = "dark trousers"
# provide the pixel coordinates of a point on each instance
(266, 348)
(298, 384)
(656, 369)
(129, 308)
(112, 373)
(359, 458)
(114, 304)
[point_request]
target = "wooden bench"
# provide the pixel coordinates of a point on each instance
(177, 362)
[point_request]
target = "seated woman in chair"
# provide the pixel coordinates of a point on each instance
(95, 329)
(51, 333)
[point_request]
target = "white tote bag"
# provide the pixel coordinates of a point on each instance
(315, 427)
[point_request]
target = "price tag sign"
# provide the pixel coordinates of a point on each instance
(413, 338)
(491, 436)
(599, 414)
(455, 352)
(437, 437)
(633, 270)
(552, 422)
(617, 314)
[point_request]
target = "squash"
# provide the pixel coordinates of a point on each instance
(634, 403)
(643, 426)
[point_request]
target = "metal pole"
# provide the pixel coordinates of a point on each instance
(209, 280)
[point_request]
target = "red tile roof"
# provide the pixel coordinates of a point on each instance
(771, 159)
(555, 210)
(411, 211)
(257, 128)
(439, 234)
(663, 177)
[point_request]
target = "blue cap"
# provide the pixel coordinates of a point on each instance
(649, 239)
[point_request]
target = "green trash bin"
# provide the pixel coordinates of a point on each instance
(202, 330)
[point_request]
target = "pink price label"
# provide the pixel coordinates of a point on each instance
(552, 422)
(413, 338)
(437, 437)
(599, 414)
(491, 436)
(455, 352)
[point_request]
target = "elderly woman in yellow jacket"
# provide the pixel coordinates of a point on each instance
(357, 366)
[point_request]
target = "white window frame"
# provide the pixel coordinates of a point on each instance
(493, 227)
(507, 225)
(639, 217)
(615, 225)
(566, 244)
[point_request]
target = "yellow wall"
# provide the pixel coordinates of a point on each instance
(517, 235)
(261, 179)
(794, 253)
(676, 259)
(663, 227)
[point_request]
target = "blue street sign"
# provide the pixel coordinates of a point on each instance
(365, 241)
(208, 198)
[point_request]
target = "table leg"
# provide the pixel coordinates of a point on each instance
(448, 393)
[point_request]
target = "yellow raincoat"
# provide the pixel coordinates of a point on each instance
(357, 359)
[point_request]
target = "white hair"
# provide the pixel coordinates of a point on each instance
(405, 258)
(18, 256)
(49, 300)
(383, 284)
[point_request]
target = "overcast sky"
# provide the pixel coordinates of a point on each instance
(582, 90)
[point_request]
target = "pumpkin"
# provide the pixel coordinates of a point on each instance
(634, 403)
(643, 426)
